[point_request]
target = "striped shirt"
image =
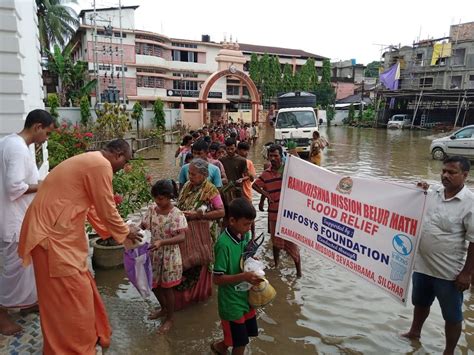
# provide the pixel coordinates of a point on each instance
(270, 181)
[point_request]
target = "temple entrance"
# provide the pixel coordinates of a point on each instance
(236, 73)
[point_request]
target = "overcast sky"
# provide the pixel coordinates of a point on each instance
(339, 30)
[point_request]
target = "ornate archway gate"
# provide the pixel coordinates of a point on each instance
(232, 71)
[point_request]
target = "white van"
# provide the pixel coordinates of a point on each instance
(399, 121)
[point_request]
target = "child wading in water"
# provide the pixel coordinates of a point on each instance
(238, 318)
(167, 225)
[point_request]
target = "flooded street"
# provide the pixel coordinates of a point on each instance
(328, 310)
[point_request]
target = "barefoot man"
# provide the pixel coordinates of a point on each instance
(19, 180)
(73, 317)
(442, 269)
(269, 185)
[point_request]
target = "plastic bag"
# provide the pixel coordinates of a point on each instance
(137, 263)
(253, 265)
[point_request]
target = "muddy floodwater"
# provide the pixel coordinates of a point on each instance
(329, 310)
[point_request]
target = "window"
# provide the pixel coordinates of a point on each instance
(419, 59)
(426, 82)
(456, 82)
(117, 34)
(245, 91)
(120, 68)
(183, 45)
(184, 56)
(150, 70)
(465, 133)
(150, 82)
(233, 90)
(458, 56)
(148, 49)
(471, 82)
(186, 75)
(104, 67)
(190, 105)
(296, 119)
(185, 85)
(149, 38)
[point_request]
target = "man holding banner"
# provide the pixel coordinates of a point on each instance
(442, 270)
(269, 184)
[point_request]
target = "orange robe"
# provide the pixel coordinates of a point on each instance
(73, 317)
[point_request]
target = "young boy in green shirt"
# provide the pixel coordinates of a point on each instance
(238, 319)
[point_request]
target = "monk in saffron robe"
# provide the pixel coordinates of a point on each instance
(73, 317)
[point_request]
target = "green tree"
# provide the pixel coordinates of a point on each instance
(275, 76)
(264, 67)
(325, 93)
(53, 104)
(57, 22)
(351, 116)
(372, 69)
(305, 76)
(85, 111)
(159, 114)
(326, 72)
(254, 70)
(312, 75)
(287, 79)
(330, 113)
(112, 122)
(137, 115)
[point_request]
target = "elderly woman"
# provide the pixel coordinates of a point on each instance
(202, 205)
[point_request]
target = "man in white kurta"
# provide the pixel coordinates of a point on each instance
(19, 180)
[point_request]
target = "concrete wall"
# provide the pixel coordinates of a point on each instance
(20, 69)
(128, 18)
(192, 118)
(344, 90)
(72, 115)
(21, 84)
(339, 117)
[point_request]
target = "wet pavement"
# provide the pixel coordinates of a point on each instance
(327, 311)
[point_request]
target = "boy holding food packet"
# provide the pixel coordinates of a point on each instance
(238, 318)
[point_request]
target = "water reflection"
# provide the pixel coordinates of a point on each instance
(329, 310)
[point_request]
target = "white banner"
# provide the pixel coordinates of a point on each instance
(369, 227)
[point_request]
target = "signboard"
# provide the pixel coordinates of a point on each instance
(368, 227)
(193, 93)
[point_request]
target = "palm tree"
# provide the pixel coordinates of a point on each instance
(57, 22)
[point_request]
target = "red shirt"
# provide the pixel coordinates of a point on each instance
(270, 181)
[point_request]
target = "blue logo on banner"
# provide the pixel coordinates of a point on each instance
(402, 244)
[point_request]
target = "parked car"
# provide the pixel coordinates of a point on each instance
(399, 121)
(460, 142)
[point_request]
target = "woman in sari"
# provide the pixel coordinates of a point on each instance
(202, 205)
(317, 146)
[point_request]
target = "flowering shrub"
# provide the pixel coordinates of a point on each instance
(132, 187)
(65, 142)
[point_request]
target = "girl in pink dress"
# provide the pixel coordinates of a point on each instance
(167, 225)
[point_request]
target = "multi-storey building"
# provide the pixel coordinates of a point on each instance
(436, 84)
(441, 63)
(157, 66)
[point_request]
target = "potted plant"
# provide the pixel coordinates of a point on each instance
(132, 191)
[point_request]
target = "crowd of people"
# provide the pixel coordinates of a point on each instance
(200, 226)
